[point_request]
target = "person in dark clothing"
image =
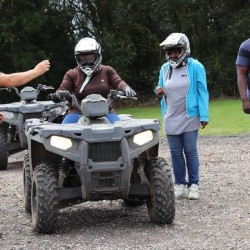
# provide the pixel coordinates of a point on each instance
(243, 74)
(90, 77)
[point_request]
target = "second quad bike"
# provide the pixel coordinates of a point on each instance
(95, 160)
(12, 136)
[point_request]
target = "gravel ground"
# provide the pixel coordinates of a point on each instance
(219, 220)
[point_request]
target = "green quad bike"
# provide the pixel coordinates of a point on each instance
(95, 160)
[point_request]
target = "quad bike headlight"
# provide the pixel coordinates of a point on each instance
(8, 115)
(143, 137)
(60, 142)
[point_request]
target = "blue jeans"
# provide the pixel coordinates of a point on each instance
(184, 157)
(71, 118)
(74, 117)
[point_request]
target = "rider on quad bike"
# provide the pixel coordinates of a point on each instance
(90, 77)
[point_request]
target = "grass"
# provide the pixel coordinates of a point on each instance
(226, 117)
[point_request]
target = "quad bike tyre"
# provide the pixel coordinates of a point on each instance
(26, 184)
(4, 147)
(44, 198)
(161, 204)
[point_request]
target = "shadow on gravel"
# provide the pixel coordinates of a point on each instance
(108, 216)
(13, 166)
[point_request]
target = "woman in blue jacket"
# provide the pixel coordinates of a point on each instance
(184, 96)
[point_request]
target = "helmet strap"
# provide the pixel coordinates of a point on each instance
(170, 71)
(184, 62)
(85, 83)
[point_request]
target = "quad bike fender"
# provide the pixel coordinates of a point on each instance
(12, 118)
(39, 154)
(79, 147)
(82, 139)
(17, 113)
(31, 107)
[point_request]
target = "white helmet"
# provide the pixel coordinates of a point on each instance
(177, 41)
(85, 46)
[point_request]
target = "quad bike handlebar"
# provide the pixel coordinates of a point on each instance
(117, 95)
(40, 87)
(12, 88)
(26, 89)
(71, 100)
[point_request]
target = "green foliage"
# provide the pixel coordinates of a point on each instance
(33, 32)
(120, 54)
(129, 32)
(142, 25)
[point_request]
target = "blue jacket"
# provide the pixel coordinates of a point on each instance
(197, 95)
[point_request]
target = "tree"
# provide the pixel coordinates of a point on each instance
(129, 32)
(31, 32)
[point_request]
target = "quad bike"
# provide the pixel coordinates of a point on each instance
(95, 160)
(12, 135)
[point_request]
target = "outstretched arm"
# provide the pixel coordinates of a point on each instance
(17, 79)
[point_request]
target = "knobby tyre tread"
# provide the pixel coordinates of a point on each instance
(161, 205)
(27, 184)
(4, 153)
(44, 198)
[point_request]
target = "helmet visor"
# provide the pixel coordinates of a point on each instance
(173, 52)
(87, 59)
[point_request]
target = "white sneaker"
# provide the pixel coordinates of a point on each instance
(193, 193)
(180, 191)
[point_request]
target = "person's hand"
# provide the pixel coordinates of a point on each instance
(60, 96)
(160, 91)
(246, 106)
(1, 117)
(42, 67)
(129, 92)
(55, 97)
(203, 124)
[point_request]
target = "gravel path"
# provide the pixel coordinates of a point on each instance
(219, 220)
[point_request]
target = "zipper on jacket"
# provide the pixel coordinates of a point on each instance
(187, 91)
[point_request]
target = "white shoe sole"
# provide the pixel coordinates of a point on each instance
(193, 197)
(185, 195)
